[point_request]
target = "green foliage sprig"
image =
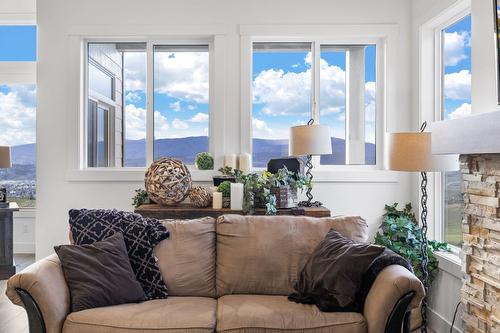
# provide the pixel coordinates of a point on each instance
(257, 188)
(141, 197)
(400, 232)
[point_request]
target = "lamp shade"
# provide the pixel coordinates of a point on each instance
(413, 152)
(310, 140)
(5, 157)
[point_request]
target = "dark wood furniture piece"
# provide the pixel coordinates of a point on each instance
(7, 267)
(187, 211)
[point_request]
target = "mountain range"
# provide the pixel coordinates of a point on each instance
(23, 156)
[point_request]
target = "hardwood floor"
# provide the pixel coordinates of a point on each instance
(13, 318)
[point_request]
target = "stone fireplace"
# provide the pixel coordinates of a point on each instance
(481, 247)
(477, 140)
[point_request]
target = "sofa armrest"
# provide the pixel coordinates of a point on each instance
(391, 285)
(44, 282)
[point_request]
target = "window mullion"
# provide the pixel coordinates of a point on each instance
(315, 89)
(149, 103)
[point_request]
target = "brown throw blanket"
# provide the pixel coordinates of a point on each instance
(386, 258)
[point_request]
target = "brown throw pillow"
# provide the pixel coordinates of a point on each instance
(99, 274)
(332, 276)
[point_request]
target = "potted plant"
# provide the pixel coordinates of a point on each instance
(400, 232)
(225, 189)
(228, 174)
(204, 161)
(285, 185)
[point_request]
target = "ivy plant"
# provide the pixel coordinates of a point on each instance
(401, 233)
(141, 197)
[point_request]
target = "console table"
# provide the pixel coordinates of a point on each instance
(187, 211)
(7, 267)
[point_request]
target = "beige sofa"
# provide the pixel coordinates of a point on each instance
(229, 275)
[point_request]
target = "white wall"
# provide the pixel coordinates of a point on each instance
(55, 194)
(484, 75)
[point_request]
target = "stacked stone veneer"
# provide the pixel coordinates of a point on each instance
(481, 249)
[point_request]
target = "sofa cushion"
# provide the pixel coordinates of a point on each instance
(172, 315)
(141, 236)
(266, 313)
(264, 255)
(187, 258)
(99, 274)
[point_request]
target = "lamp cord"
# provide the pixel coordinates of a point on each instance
(454, 317)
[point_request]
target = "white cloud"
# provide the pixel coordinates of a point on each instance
(132, 97)
(461, 111)
(191, 107)
(457, 85)
(18, 116)
(179, 124)
(182, 75)
(260, 129)
(175, 106)
(135, 123)
(454, 47)
(200, 118)
(289, 93)
(134, 71)
(161, 125)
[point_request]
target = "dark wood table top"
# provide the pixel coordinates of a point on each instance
(188, 211)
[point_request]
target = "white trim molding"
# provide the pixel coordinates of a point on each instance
(213, 35)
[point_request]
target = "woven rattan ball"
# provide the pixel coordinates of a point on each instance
(168, 181)
(200, 197)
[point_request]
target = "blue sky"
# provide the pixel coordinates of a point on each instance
(282, 88)
(457, 69)
(180, 97)
(17, 43)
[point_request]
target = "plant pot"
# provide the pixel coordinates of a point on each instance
(281, 193)
(226, 202)
(219, 179)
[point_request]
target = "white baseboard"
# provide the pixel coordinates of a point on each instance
(439, 324)
(24, 248)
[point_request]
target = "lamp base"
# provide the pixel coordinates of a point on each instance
(310, 204)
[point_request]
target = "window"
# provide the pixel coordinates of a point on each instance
(18, 113)
(287, 92)
(181, 100)
(456, 102)
(117, 108)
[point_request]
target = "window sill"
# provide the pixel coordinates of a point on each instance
(450, 262)
(319, 176)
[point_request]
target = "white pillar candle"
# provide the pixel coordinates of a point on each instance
(213, 189)
(236, 196)
(230, 161)
(217, 200)
(245, 162)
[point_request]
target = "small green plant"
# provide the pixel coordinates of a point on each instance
(400, 232)
(141, 197)
(225, 189)
(230, 172)
(204, 161)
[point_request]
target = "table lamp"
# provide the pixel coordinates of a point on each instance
(5, 163)
(412, 152)
(308, 140)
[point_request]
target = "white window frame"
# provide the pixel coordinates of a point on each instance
(19, 72)
(431, 101)
(78, 37)
(384, 36)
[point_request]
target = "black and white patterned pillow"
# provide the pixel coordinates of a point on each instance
(141, 236)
